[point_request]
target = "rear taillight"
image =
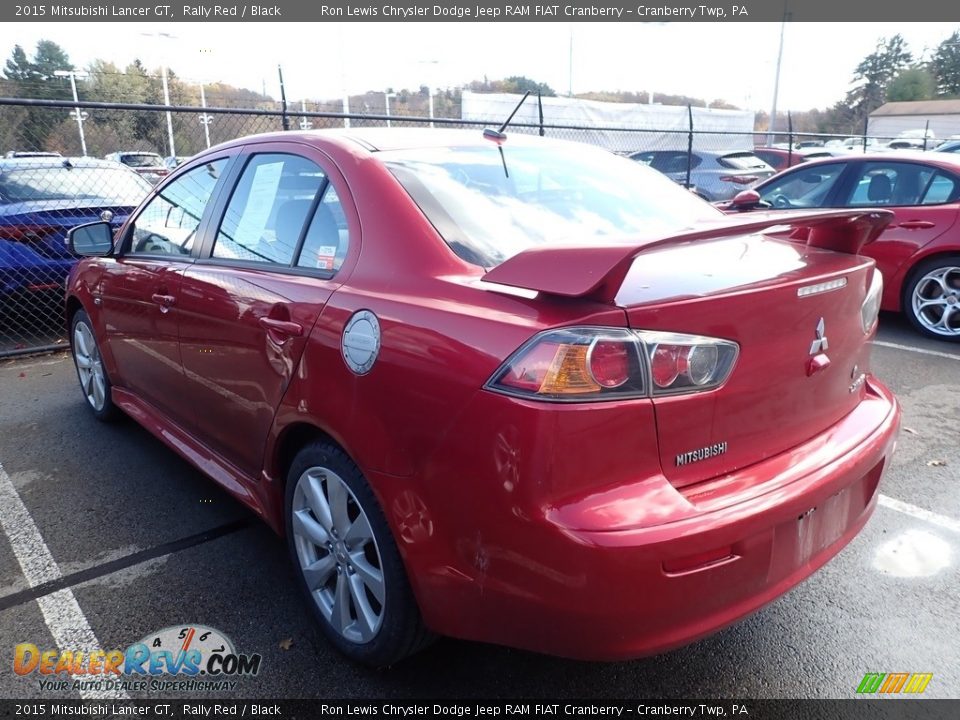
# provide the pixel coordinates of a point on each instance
(687, 363)
(27, 233)
(575, 364)
(740, 179)
(588, 364)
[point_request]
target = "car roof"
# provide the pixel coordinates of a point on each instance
(47, 163)
(387, 139)
(946, 160)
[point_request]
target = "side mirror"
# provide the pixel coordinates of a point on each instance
(91, 240)
(746, 200)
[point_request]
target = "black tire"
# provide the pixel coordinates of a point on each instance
(99, 401)
(400, 631)
(919, 283)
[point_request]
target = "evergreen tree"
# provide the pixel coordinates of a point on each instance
(946, 66)
(36, 78)
(873, 76)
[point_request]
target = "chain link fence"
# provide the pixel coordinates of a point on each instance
(65, 164)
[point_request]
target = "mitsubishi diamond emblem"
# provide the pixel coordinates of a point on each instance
(820, 344)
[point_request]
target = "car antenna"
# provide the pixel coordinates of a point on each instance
(499, 136)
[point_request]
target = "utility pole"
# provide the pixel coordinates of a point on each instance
(166, 89)
(166, 101)
(80, 116)
(776, 78)
(205, 118)
(284, 120)
(386, 98)
(305, 124)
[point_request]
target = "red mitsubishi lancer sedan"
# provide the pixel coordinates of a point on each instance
(497, 387)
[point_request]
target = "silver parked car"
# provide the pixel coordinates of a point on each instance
(147, 165)
(717, 175)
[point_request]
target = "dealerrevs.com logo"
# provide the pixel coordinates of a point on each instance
(180, 658)
(894, 683)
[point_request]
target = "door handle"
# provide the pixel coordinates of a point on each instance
(281, 327)
(164, 301)
(915, 224)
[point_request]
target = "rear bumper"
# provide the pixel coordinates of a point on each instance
(680, 564)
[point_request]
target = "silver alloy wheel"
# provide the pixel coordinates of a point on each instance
(338, 554)
(936, 301)
(89, 366)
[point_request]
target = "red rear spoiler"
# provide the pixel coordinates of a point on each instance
(598, 271)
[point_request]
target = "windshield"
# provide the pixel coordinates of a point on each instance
(487, 212)
(106, 186)
(141, 161)
(742, 161)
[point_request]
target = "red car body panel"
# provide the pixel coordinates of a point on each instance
(515, 517)
(916, 232)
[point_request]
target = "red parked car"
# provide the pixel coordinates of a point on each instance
(782, 158)
(918, 253)
(509, 390)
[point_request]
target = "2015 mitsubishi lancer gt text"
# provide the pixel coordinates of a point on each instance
(498, 388)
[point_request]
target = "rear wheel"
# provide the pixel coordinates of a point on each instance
(931, 297)
(90, 371)
(349, 566)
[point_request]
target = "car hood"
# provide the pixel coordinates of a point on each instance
(67, 206)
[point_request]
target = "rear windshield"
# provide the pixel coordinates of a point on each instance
(489, 208)
(742, 161)
(142, 160)
(105, 186)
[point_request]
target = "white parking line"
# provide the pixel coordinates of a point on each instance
(919, 513)
(922, 351)
(61, 612)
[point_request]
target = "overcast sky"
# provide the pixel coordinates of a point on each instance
(731, 61)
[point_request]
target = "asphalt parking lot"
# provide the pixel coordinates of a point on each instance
(141, 541)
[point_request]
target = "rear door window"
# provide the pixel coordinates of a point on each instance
(327, 239)
(266, 215)
(879, 184)
(667, 161)
(942, 189)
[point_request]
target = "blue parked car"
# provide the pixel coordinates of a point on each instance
(40, 199)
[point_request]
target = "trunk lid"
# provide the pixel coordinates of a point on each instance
(766, 295)
(787, 288)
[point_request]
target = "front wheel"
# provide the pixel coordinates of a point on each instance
(931, 298)
(349, 566)
(90, 371)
